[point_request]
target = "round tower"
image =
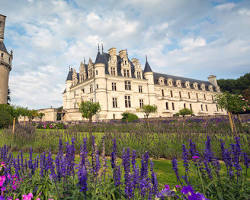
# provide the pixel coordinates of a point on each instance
(5, 64)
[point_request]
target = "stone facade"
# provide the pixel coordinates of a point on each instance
(5, 64)
(119, 84)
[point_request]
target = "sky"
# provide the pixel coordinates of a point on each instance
(191, 38)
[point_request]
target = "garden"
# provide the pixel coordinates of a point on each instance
(175, 158)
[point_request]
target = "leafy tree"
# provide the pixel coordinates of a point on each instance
(236, 86)
(31, 114)
(40, 115)
(5, 115)
(185, 111)
(232, 104)
(89, 109)
(147, 109)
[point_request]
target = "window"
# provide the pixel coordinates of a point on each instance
(114, 86)
(126, 72)
(97, 86)
(197, 96)
(91, 89)
(96, 72)
(189, 95)
(171, 93)
(206, 108)
(166, 105)
(141, 103)
(172, 106)
(127, 102)
(114, 101)
(140, 88)
(83, 90)
(191, 107)
(180, 94)
(113, 116)
(212, 97)
(217, 108)
(204, 96)
(162, 92)
(127, 85)
(201, 107)
(112, 71)
(184, 105)
(139, 75)
(2, 55)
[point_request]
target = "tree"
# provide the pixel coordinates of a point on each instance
(40, 116)
(233, 104)
(32, 114)
(185, 111)
(147, 109)
(89, 109)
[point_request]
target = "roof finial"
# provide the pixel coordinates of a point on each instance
(102, 48)
(146, 58)
(84, 60)
(98, 48)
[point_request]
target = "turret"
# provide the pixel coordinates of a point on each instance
(213, 81)
(5, 63)
(148, 73)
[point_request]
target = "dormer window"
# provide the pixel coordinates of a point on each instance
(195, 85)
(203, 87)
(161, 81)
(210, 87)
(126, 72)
(187, 84)
(178, 83)
(170, 82)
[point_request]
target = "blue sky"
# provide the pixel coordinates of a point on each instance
(193, 38)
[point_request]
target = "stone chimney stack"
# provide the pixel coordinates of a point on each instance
(2, 26)
(212, 80)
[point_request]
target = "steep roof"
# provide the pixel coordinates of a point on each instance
(147, 67)
(69, 77)
(2, 47)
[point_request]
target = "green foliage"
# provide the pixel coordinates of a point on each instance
(147, 109)
(129, 117)
(89, 109)
(185, 111)
(232, 103)
(5, 115)
(40, 115)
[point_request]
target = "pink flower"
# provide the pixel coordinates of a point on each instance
(167, 187)
(3, 189)
(38, 199)
(195, 158)
(17, 199)
(30, 195)
(178, 186)
(2, 180)
(14, 187)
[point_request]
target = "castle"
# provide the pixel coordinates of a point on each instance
(119, 84)
(5, 64)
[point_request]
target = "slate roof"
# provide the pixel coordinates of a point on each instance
(2, 47)
(147, 67)
(69, 77)
(103, 57)
(182, 79)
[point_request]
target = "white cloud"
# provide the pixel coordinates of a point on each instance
(189, 38)
(226, 6)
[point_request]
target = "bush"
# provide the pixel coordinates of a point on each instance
(5, 116)
(185, 111)
(129, 117)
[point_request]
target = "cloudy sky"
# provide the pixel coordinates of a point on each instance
(193, 38)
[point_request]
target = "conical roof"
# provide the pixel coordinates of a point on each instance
(147, 67)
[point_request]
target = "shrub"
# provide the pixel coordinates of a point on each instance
(185, 111)
(129, 117)
(5, 116)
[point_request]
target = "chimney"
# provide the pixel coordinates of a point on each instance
(212, 80)
(2, 26)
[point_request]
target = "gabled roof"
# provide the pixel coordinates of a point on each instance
(2, 47)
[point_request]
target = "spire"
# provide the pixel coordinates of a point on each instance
(102, 48)
(84, 60)
(98, 48)
(147, 66)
